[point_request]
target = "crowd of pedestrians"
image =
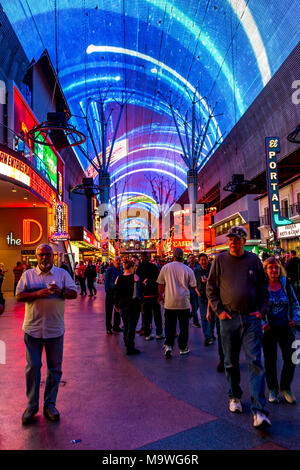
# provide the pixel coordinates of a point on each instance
(242, 302)
(233, 299)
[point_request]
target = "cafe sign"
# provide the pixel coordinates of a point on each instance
(289, 231)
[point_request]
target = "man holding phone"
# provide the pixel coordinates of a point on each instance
(44, 290)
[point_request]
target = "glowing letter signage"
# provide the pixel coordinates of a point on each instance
(272, 148)
(27, 232)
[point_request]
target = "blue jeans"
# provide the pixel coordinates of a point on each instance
(206, 327)
(54, 354)
(244, 330)
(194, 305)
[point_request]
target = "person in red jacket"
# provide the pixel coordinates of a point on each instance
(81, 278)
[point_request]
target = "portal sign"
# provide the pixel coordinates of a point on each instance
(272, 148)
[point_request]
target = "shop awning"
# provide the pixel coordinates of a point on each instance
(80, 236)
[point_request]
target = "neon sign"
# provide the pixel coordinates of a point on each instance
(13, 168)
(27, 229)
(59, 222)
(27, 232)
(16, 169)
(272, 148)
(186, 245)
(90, 239)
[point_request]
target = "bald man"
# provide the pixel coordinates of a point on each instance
(44, 290)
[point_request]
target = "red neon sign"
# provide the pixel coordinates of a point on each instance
(27, 232)
(20, 171)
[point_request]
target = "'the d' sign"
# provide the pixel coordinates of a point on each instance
(30, 227)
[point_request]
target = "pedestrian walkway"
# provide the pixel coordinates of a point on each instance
(108, 400)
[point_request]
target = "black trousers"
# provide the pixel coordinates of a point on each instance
(82, 285)
(130, 313)
(171, 317)
(152, 307)
(109, 307)
(91, 286)
(283, 336)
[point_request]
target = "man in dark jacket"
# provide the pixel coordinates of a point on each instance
(91, 274)
(109, 283)
(148, 274)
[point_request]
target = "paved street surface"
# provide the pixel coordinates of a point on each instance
(112, 401)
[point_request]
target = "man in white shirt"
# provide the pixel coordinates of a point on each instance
(174, 280)
(44, 290)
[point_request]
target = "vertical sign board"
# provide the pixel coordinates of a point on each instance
(272, 148)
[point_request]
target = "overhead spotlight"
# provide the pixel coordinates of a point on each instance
(13, 190)
(25, 197)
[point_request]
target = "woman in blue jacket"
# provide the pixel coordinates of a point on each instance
(282, 319)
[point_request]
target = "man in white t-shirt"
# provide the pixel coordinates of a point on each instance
(174, 280)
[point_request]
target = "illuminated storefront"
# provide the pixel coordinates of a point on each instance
(88, 245)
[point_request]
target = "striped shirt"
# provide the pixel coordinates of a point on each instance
(18, 271)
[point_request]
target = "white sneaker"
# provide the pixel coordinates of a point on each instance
(168, 352)
(149, 338)
(184, 351)
(261, 420)
(235, 405)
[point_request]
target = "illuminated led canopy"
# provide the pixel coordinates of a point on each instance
(226, 51)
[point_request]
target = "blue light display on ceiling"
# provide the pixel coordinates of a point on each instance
(227, 49)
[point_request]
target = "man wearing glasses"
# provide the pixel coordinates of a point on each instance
(44, 290)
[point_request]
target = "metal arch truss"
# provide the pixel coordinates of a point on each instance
(100, 146)
(192, 132)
